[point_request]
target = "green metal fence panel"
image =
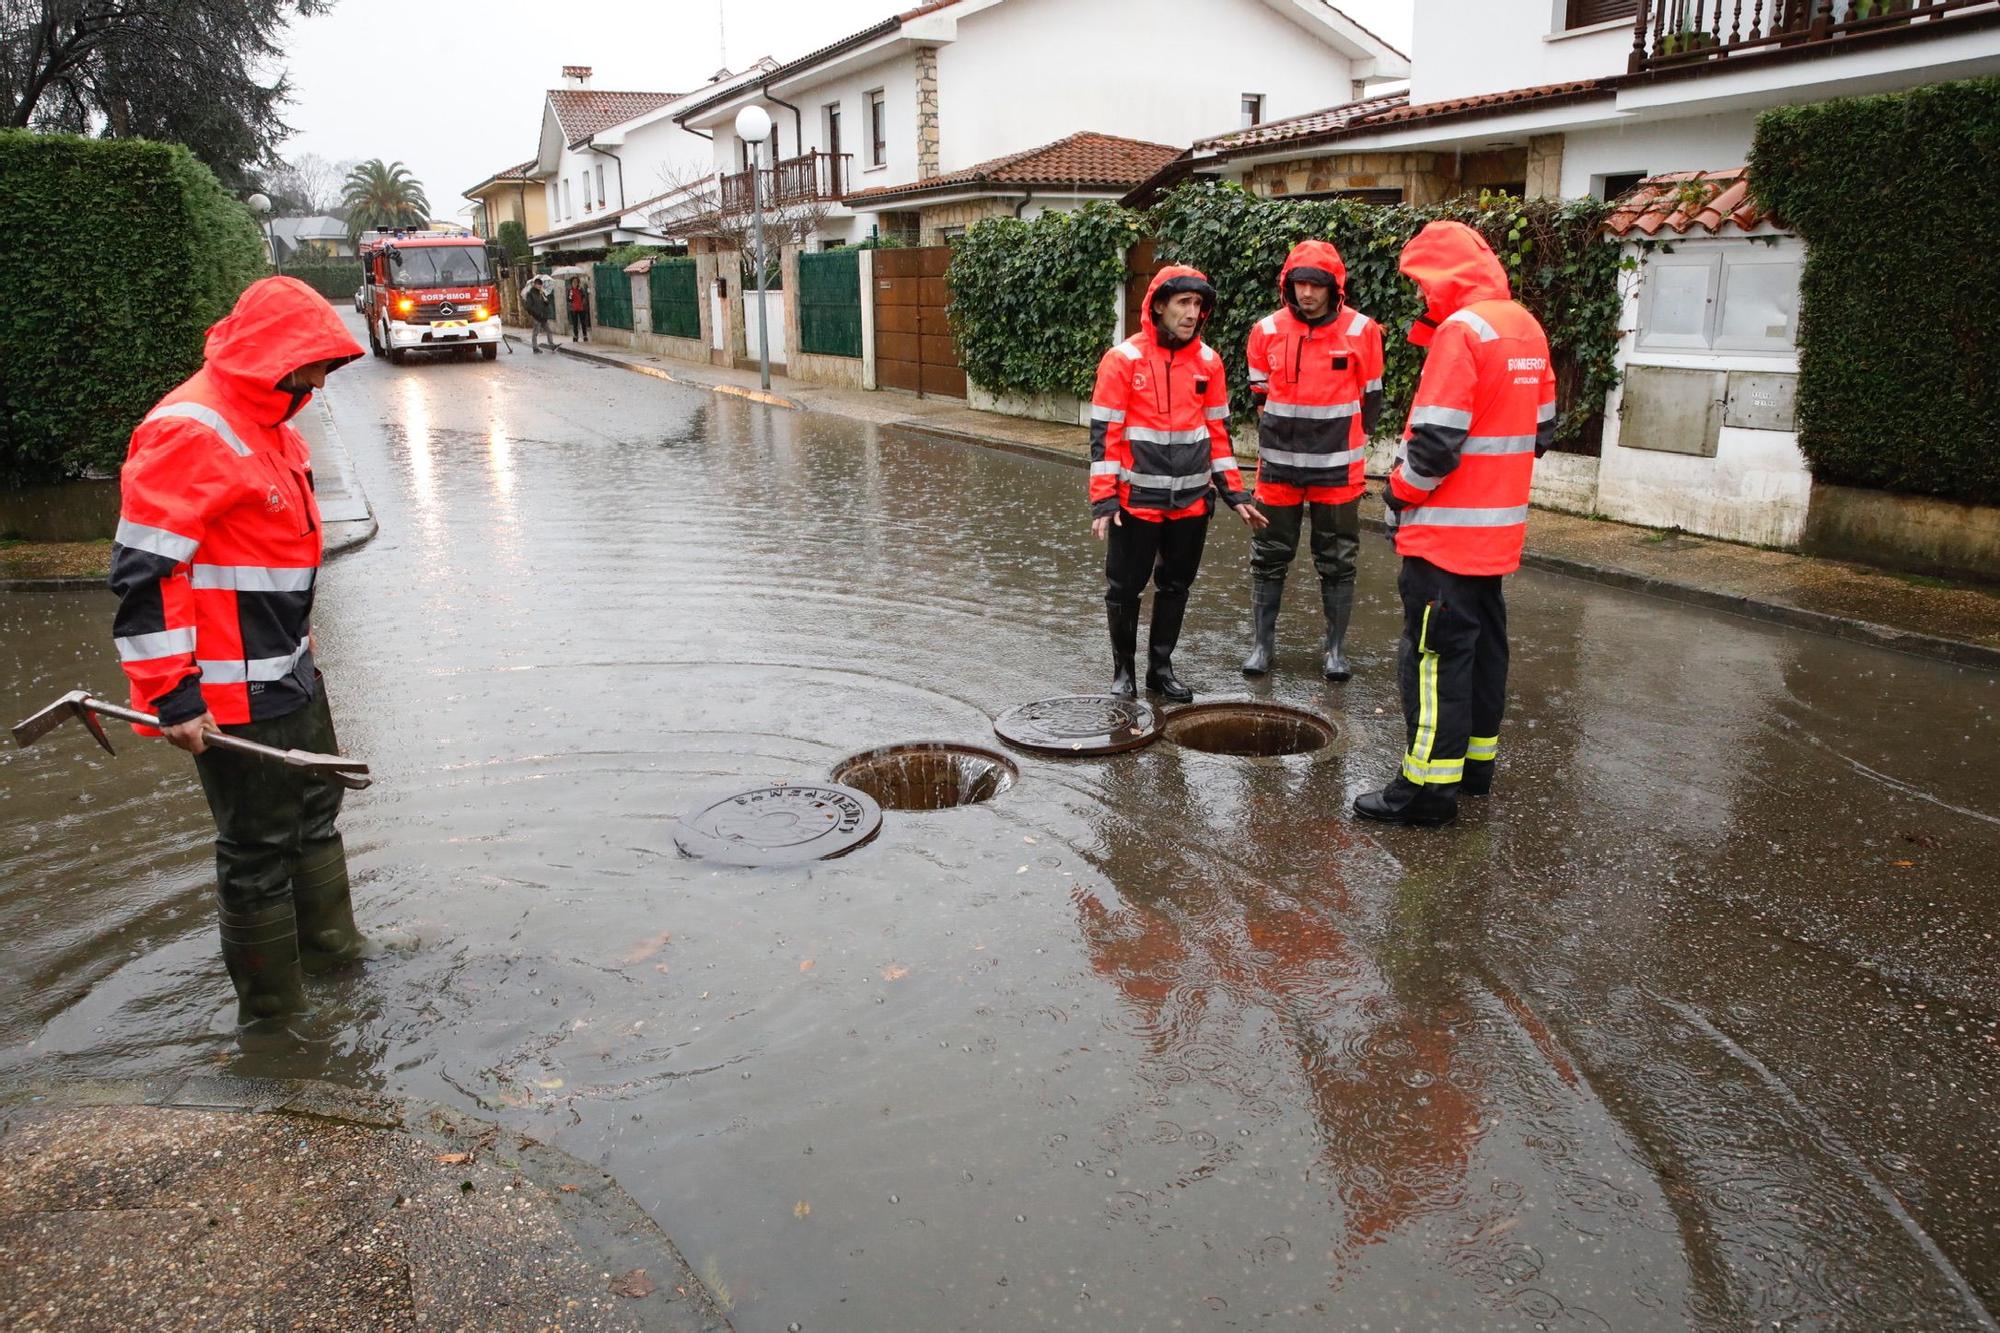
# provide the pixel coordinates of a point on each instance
(614, 296)
(675, 297)
(829, 299)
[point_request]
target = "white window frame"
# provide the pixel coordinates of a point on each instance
(568, 200)
(877, 102)
(600, 185)
(1253, 115)
(1717, 259)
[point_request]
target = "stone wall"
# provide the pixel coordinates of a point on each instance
(927, 112)
(1911, 532)
(1545, 167)
(934, 221)
(1424, 178)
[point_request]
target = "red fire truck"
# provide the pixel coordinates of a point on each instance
(429, 291)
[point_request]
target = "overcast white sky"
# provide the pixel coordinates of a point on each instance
(455, 90)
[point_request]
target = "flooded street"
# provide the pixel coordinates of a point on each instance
(1693, 1024)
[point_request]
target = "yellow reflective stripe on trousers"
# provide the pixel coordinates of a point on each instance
(1435, 771)
(1482, 747)
(1417, 763)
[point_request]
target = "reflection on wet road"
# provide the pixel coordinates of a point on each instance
(1692, 1024)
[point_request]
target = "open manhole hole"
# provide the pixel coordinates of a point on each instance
(1249, 730)
(927, 775)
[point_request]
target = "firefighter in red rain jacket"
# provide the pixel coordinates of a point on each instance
(216, 555)
(1159, 448)
(1316, 368)
(1485, 409)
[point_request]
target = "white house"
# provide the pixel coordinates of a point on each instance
(866, 125)
(1588, 97)
(608, 158)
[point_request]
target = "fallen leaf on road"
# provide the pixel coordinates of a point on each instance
(802, 1209)
(894, 973)
(634, 1284)
(646, 949)
(453, 1158)
(550, 1084)
(805, 965)
(568, 1189)
(1904, 864)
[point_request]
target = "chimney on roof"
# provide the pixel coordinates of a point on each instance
(576, 76)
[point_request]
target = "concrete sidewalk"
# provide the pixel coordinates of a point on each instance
(215, 1201)
(1954, 622)
(343, 508)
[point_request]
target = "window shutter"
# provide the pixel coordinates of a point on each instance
(1583, 13)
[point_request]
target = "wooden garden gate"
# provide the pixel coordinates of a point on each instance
(914, 349)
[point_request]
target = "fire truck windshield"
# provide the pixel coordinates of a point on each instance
(438, 265)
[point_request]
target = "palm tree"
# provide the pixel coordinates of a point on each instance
(379, 196)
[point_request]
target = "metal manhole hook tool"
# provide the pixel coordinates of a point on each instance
(349, 773)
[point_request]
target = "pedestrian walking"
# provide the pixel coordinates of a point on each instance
(579, 312)
(1159, 450)
(214, 562)
(1457, 499)
(539, 301)
(1316, 371)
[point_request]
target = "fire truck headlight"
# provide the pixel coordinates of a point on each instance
(481, 312)
(405, 306)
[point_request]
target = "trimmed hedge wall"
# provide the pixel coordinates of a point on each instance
(1899, 348)
(333, 279)
(118, 256)
(1032, 302)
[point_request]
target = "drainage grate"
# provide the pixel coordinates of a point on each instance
(1249, 730)
(927, 775)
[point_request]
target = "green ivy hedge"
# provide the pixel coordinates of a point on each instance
(335, 280)
(1899, 354)
(118, 256)
(1032, 303)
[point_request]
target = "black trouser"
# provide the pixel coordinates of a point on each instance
(1167, 554)
(1336, 541)
(269, 817)
(1452, 664)
(579, 323)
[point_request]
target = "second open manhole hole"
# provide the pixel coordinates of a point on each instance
(1250, 730)
(928, 775)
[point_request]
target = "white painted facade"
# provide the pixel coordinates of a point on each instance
(1016, 74)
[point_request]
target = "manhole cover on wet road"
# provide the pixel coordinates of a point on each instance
(1080, 724)
(783, 824)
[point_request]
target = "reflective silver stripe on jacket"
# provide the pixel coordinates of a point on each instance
(1153, 481)
(1226, 463)
(1286, 458)
(1099, 412)
(1375, 385)
(1417, 480)
(1258, 376)
(146, 647)
(1128, 349)
(1357, 324)
(1546, 412)
(1437, 516)
(155, 541)
(1475, 323)
(1499, 444)
(208, 417)
(255, 669)
(1146, 435)
(1269, 324)
(1104, 469)
(252, 578)
(1278, 407)
(1441, 416)
(1218, 413)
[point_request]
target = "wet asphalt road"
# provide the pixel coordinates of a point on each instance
(1692, 1025)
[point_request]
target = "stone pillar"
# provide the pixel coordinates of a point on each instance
(1545, 166)
(869, 379)
(788, 266)
(927, 112)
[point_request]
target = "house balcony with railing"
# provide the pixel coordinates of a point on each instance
(1679, 35)
(809, 178)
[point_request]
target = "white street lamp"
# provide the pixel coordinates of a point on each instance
(753, 126)
(260, 204)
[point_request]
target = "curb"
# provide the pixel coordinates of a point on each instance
(361, 534)
(754, 395)
(604, 1221)
(57, 583)
(1956, 652)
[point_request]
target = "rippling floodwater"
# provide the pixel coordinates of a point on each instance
(1692, 1024)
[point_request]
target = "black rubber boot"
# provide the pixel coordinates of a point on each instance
(1337, 600)
(328, 937)
(1478, 780)
(1168, 612)
(1123, 618)
(261, 950)
(1404, 802)
(1265, 598)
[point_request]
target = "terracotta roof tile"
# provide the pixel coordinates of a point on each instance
(1084, 160)
(1680, 201)
(1394, 110)
(583, 112)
